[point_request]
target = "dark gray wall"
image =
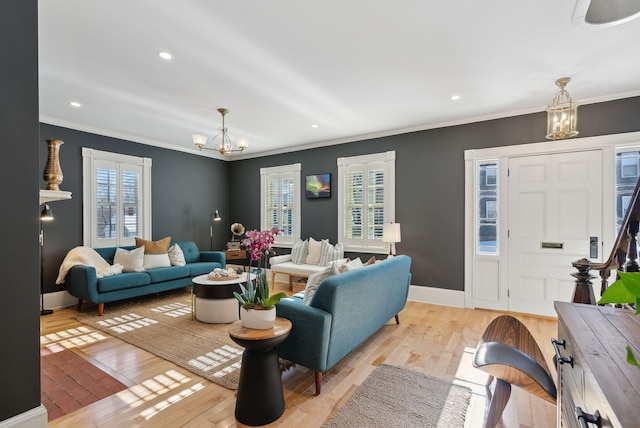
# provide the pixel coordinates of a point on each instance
(19, 291)
(429, 182)
(185, 189)
(429, 187)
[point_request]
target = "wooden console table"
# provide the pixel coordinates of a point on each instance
(236, 255)
(595, 382)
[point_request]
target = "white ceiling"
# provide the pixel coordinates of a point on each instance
(355, 68)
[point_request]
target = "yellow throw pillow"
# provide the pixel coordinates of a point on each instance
(154, 247)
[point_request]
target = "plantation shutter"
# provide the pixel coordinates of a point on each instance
(367, 200)
(116, 198)
(281, 202)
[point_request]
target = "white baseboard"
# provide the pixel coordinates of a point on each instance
(34, 418)
(437, 296)
(59, 299)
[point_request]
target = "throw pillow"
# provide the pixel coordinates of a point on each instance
(329, 253)
(353, 264)
(315, 249)
(371, 261)
(315, 279)
(152, 261)
(342, 263)
(299, 252)
(131, 260)
(154, 247)
(176, 256)
(109, 271)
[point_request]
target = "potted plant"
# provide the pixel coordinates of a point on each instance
(258, 306)
(625, 290)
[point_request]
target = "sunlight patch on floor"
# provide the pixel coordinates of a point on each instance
(128, 322)
(212, 360)
(174, 399)
(73, 337)
(173, 310)
(151, 389)
(474, 379)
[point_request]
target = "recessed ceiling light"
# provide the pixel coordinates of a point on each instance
(455, 97)
(75, 104)
(314, 125)
(165, 55)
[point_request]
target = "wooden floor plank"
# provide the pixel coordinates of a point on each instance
(435, 340)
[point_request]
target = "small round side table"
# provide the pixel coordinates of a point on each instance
(260, 395)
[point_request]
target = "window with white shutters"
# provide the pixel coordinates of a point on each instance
(280, 197)
(366, 200)
(116, 198)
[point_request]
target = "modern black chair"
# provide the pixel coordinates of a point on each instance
(511, 356)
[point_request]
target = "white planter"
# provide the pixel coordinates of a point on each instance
(261, 319)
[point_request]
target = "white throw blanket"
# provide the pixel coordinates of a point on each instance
(89, 257)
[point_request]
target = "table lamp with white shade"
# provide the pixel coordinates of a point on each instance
(391, 234)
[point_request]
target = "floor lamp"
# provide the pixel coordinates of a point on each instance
(45, 215)
(215, 216)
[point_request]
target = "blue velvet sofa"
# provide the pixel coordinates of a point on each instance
(81, 281)
(345, 310)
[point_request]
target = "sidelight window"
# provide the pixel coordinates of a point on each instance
(627, 173)
(487, 208)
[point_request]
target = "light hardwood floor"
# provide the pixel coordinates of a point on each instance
(435, 340)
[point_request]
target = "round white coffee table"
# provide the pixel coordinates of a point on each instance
(212, 301)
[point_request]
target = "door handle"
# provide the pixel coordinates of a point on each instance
(593, 247)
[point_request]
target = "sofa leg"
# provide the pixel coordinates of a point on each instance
(318, 382)
(100, 309)
(397, 319)
(273, 279)
(79, 305)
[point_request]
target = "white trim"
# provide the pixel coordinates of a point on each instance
(89, 158)
(437, 296)
(389, 159)
(33, 418)
(606, 143)
(59, 300)
(558, 146)
(296, 168)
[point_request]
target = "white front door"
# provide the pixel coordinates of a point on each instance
(555, 209)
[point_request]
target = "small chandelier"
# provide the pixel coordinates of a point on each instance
(224, 147)
(562, 114)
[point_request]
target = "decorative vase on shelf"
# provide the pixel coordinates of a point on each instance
(260, 319)
(52, 170)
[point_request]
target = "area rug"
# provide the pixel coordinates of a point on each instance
(164, 327)
(396, 397)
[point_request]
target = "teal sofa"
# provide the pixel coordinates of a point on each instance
(82, 282)
(345, 310)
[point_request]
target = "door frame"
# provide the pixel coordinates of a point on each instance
(473, 262)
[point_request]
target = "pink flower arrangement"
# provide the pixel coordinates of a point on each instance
(259, 242)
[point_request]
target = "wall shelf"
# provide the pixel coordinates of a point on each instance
(53, 195)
